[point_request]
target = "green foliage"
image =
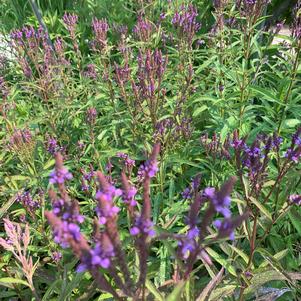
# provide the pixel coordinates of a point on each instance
(234, 79)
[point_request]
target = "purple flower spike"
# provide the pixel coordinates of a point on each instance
(143, 227)
(148, 169)
(127, 160)
(189, 243)
(129, 196)
(100, 29)
(91, 115)
(225, 226)
(221, 200)
(105, 197)
(60, 176)
(185, 21)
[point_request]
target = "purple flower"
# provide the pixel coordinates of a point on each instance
(99, 256)
(295, 199)
(88, 176)
(148, 169)
(91, 72)
(85, 187)
(106, 209)
(250, 2)
(142, 226)
(28, 202)
(56, 256)
(296, 27)
(102, 257)
(221, 205)
(189, 243)
(127, 160)
(109, 193)
(276, 141)
(129, 196)
(225, 227)
(143, 29)
(185, 21)
(186, 194)
(52, 146)
(59, 176)
(294, 151)
(65, 232)
(70, 20)
(162, 16)
(22, 218)
(100, 29)
(21, 140)
(91, 115)
(109, 166)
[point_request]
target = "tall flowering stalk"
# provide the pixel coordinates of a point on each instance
(38, 60)
(22, 144)
(252, 162)
(107, 252)
(185, 21)
(143, 29)
(71, 21)
(151, 69)
(100, 29)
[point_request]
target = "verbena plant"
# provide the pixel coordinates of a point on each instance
(153, 160)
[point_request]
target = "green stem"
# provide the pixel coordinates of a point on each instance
(294, 74)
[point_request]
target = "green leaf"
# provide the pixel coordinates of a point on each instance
(154, 290)
(49, 163)
(6, 206)
(175, 295)
(262, 209)
(224, 262)
(262, 277)
(210, 286)
(9, 280)
(199, 110)
(276, 257)
(291, 123)
(295, 218)
(50, 290)
(243, 255)
(220, 293)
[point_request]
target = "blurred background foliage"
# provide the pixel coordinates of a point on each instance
(16, 13)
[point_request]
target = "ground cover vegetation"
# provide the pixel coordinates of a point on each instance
(150, 150)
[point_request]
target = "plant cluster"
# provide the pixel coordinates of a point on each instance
(151, 156)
